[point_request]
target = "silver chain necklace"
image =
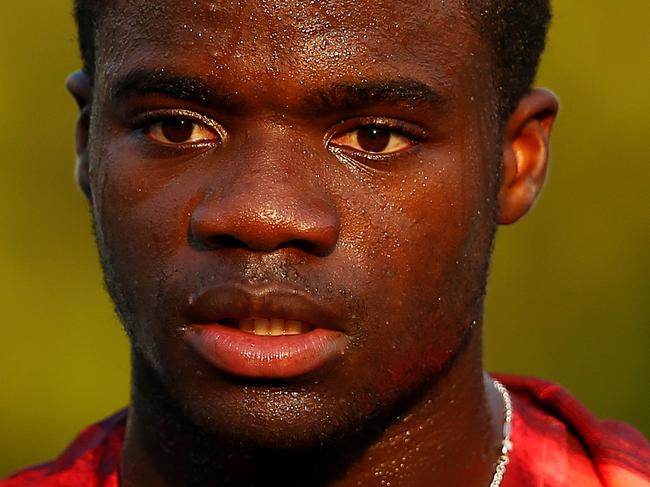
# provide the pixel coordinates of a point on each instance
(506, 444)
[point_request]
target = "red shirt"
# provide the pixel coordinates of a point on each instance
(557, 443)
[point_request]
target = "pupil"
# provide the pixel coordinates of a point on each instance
(177, 130)
(373, 138)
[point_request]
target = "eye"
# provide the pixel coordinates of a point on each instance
(373, 139)
(178, 130)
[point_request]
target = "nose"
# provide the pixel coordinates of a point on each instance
(264, 211)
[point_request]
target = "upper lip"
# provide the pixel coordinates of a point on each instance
(240, 302)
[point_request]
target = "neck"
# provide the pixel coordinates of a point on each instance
(451, 432)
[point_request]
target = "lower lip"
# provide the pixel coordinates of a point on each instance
(269, 357)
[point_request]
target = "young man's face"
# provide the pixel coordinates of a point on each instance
(333, 162)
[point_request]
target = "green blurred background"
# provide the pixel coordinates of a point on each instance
(569, 290)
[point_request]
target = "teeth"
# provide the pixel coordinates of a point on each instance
(262, 327)
(247, 326)
(293, 327)
(273, 327)
(276, 327)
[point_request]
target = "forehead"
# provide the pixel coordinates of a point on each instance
(292, 41)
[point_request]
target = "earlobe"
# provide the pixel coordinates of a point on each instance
(525, 154)
(79, 86)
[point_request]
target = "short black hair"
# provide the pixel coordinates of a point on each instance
(516, 30)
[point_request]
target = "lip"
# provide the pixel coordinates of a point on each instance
(268, 357)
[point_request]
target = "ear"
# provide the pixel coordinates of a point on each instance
(526, 153)
(80, 87)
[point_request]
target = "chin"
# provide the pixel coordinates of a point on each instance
(246, 416)
(274, 418)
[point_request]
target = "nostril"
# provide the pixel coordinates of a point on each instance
(225, 241)
(304, 245)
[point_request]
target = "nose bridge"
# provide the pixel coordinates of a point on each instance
(270, 200)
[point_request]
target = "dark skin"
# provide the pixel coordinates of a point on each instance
(275, 183)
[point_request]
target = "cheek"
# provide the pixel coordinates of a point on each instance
(429, 222)
(432, 235)
(141, 217)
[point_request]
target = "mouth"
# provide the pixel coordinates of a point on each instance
(270, 334)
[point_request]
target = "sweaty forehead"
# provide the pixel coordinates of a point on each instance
(305, 39)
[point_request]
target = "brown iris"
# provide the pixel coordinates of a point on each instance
(373, 139)
(177, 130)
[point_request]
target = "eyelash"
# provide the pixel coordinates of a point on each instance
(400, 127)
(150, 118)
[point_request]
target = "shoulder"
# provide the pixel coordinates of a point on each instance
(558, 442)
(92, 459)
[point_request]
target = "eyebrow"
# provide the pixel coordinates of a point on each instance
(142, 82)
(346, 96)
(350, 96)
